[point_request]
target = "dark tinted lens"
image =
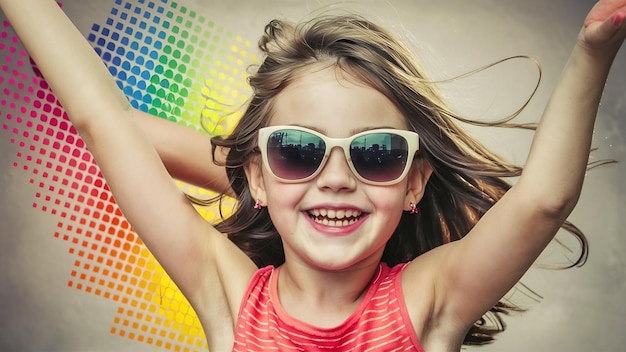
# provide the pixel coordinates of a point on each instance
(294, 154)
(379, 157)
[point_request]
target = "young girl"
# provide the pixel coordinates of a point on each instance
(350, 176)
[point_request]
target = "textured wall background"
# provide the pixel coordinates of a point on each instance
(74, 277)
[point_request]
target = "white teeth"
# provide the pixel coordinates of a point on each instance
(332, 217)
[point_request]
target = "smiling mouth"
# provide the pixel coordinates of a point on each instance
(332, 217)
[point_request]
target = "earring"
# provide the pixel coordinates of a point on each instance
(414, 208)
(257, 205)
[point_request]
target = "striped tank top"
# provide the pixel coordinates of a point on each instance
(380, 322)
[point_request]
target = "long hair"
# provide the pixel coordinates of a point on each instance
(467, 178)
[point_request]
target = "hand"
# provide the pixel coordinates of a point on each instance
(605, 25)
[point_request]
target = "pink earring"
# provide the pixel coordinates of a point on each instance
(257, 205)
(414, 208)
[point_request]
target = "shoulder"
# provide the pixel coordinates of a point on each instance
(219, 313)
(258, 290)
(424, 303)
(260, 281)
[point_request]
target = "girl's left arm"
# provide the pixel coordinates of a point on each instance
(479, 269)
(559, 153)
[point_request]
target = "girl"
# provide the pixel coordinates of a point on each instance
(359, 177)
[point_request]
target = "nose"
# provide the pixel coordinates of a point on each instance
(336, 174)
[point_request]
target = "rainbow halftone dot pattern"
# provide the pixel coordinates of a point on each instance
(170, 61)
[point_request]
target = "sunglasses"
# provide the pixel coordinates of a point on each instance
(378, 157)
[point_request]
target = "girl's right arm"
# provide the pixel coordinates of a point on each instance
(181, 240)
(187, 154)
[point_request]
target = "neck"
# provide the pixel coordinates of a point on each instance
(320, 297)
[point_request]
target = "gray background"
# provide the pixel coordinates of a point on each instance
(582, 309)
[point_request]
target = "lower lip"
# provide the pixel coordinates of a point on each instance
(336, 230)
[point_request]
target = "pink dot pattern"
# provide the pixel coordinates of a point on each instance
(110, 261)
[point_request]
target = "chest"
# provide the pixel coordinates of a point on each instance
(380, 322)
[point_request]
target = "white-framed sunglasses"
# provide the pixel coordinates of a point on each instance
(378, 157)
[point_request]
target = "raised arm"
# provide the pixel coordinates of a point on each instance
(559, 153)
(184, 244)
(475, 272)
(186, 153)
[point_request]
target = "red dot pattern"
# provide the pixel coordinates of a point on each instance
(110, 261)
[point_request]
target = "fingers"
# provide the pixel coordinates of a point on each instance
(599, 33)
(605, 9)
(618, 18)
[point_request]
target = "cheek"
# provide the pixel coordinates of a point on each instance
(281, 193)
(283, 199)
(389, 198)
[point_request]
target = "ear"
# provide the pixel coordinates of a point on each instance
(254, 174)
(417, 179)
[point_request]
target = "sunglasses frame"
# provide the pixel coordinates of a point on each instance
(411, 138)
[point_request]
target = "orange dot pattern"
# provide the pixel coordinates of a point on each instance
(157, 76)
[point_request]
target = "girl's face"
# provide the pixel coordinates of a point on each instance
(333, 221)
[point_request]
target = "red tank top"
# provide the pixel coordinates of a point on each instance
(380, 322)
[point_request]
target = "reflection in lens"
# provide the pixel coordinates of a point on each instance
(379, 157)
(294, 154)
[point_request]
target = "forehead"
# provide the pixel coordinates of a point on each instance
(334, 101)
